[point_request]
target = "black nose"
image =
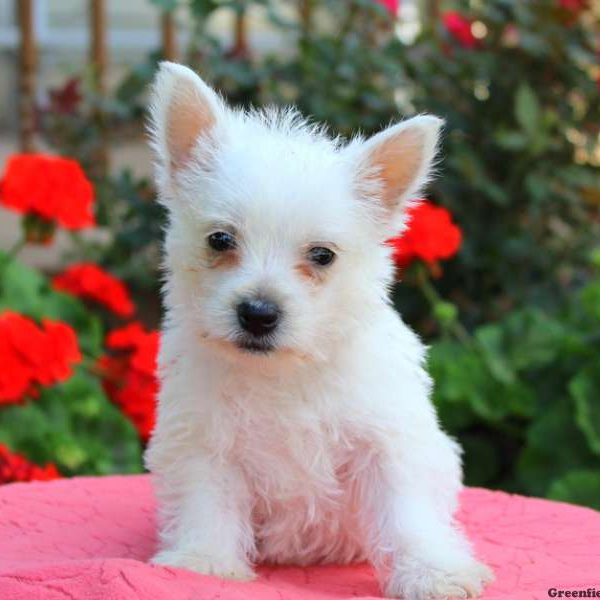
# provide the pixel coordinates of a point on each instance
(258, 317)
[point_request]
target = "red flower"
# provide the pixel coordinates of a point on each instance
(129, 378)
(51, 188)
(89, 281)
(31, 355)
(431, 236)
(14, 467)
(65, 100)
(459, 28)
(574, 6)
(391, 5)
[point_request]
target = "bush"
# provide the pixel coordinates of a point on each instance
(72, 424)
(65, 392)
(513, 320)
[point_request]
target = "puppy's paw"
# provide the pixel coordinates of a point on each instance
(414, 581)
(228, 568)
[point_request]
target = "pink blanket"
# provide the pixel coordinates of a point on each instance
(89, 538)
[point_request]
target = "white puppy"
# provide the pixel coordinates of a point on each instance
(294, 419)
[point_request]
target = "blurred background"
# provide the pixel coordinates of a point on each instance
(499, 272)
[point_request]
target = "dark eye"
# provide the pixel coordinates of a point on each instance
(321, 256)
(220, 241)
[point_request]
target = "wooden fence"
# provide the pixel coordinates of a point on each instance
(99, 57)
(98, 60)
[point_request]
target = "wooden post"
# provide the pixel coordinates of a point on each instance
(306, 13)
(98, 61)
(98, 43)
(430, 14)
(168, 36)
(27, 74)
(240, 36)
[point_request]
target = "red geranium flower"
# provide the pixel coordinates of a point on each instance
(129, 377)
(391, 5)
(51, 188)
(89, 281)
(459, 28)
(431, 236)
(31, 355)
(574, 6)
(16, 468)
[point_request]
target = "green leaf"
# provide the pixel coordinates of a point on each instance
(578, 487)
(70, 455)
(511, 140)
(534, 339)
(585, 390)
(594, 257)
(74, 425)
(26, 291)
(554, 447)
(165, 5)
(490, 338)
(521, 399)
(20, 287)
(590, 299)
(527, 109)
(461, 377)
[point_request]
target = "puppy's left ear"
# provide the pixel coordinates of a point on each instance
(394, 164)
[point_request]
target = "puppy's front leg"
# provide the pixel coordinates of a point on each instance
(205, 518)
(406, 513)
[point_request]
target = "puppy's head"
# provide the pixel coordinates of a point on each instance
(275, 244)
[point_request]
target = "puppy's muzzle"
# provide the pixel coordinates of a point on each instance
(258, 317)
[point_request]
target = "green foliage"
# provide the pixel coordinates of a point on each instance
(28, 292)
(522, 113)
(127, 208)
(578, 487)
(72, 424)
(523, 395)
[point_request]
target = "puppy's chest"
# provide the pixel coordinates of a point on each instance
(290, 455)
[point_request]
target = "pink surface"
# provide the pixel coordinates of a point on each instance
(89, 538)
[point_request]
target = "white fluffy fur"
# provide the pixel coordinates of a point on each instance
(327, 449)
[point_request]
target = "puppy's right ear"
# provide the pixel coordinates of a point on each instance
(184, 112)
